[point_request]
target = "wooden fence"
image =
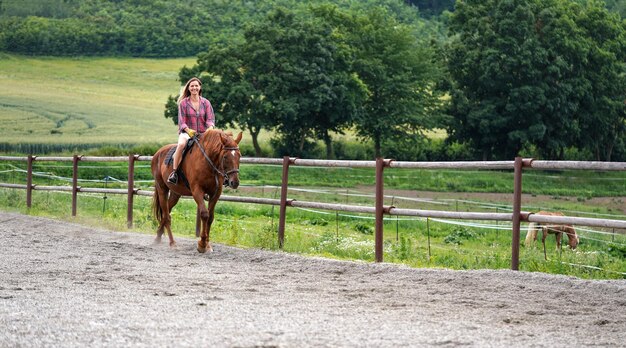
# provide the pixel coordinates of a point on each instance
(378, 210)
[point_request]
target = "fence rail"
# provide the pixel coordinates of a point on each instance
(379, 209)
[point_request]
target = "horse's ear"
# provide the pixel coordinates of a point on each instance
(224, 137)
(238, 139)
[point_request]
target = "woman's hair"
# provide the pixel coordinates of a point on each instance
(184, 91)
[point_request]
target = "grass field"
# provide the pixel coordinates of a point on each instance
(87, 100)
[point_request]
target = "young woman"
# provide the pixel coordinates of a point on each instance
(195, 116)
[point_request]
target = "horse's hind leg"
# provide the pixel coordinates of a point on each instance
(159, 196)
(163, 224)
(543, 241)
(157, 240)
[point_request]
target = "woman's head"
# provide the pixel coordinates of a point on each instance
(193, 84)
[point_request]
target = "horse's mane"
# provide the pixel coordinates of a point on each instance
(212, 139)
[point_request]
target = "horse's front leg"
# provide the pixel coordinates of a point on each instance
(203, 242)
(211, 210)
(558, 240)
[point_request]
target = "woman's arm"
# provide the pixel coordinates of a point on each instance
(210, 116)
(182, 119)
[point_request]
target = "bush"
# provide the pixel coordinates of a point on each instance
(424, 149)
(286, 147)
(617, 250)
(315, 222)
(145, 149)
(363, 228)
(247, 150)
(352, 150)
(108, 150)
(459, 234)
(404, 249)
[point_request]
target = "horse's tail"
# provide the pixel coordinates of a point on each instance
(154, 167)
(157, 212)
(531, 235)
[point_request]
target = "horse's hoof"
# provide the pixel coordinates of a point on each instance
(201, 247)
(157, 241)
(172, 245)
(204, 248)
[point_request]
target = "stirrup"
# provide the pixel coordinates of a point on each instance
(173, 178)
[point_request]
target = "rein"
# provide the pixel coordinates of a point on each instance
(224, 174)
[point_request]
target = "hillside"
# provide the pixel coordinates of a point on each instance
(144, 28)
(86, 100)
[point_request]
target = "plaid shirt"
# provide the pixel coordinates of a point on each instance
(198, 120)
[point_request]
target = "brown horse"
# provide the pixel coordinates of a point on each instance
(557, 230)
(210, 162)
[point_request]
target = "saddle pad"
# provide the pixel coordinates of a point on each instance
(169, 158)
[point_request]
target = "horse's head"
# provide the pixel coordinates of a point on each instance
(572, 237)
(230, 159)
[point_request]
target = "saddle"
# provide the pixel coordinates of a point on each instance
(169, 160)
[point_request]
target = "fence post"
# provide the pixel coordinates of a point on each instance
(75, 187)
(517, 204)
(131, 190)
(29, 181)
(283, 202)
(379, 193)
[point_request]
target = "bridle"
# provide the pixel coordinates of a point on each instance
(215, 168)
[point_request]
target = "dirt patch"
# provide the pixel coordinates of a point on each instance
(63, 284)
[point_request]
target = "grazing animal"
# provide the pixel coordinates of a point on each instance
(557, 230)
(211, 162)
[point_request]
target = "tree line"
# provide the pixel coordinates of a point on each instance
(538, 75)
(140, 28)
(540, 78)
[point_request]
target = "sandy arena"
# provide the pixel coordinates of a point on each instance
(67, 285)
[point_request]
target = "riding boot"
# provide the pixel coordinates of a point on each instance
(173, 178)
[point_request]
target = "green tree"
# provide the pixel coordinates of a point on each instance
(289, 74)
(618, 6)
(310, 85)
(400, 75)
(603, 108)
(523, 73)
(235, 87)
(432, 7)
